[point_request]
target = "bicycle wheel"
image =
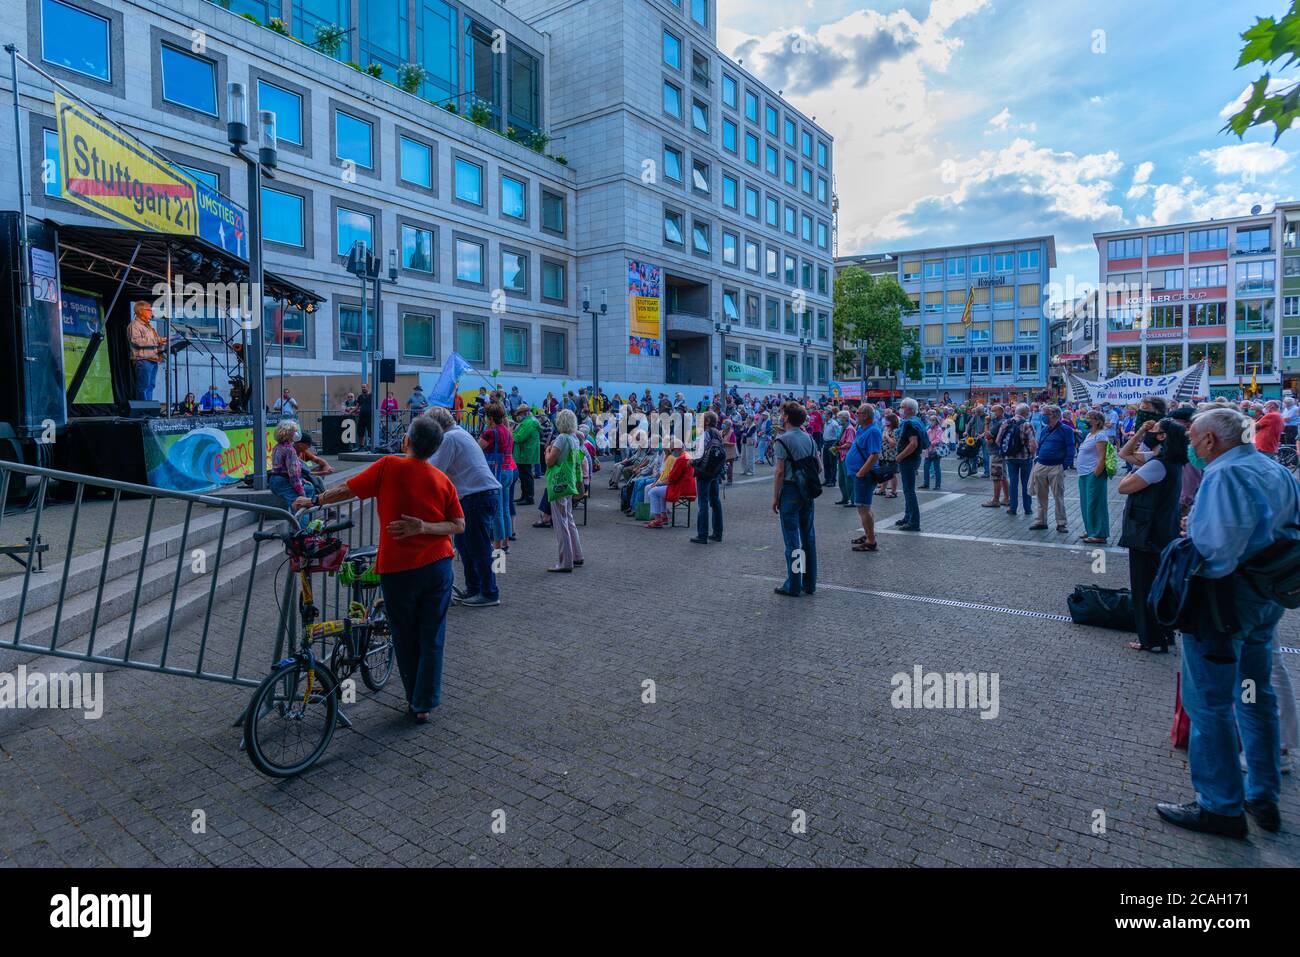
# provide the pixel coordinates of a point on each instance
(966, 469)
(291, 719)
(377, 665)
(1287, 456)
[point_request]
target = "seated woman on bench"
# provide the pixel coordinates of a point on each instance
(676, 482)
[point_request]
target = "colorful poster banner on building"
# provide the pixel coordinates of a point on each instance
(1189, 383)
(108, 171)
(739, 372)
(187, 454)
(644, 291)
(82, 318)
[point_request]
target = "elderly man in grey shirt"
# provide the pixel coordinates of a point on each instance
(463, 461)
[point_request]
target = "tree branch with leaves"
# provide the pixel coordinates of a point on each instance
(1276, 44)
(872, 308)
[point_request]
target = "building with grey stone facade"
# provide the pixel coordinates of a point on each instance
(548, 147)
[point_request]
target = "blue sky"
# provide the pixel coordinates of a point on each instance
(972, 120)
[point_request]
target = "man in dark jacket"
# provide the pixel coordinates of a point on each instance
(1055, 455)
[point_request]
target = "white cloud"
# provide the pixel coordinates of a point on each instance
(1247, 160)
(1000, 121)
(1143, 173)
(1235, 106)
(1189, 201)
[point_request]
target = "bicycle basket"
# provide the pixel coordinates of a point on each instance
(316, 553)
(348, 575)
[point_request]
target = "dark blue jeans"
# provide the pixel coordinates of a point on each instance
(146, 374)
(932, 474)
(708, 503)
(475, 543)
(1018, 480)
(417, 602)
(798, 530)
(907, 470)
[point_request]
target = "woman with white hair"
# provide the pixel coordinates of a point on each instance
(285, 480)
(564, 460)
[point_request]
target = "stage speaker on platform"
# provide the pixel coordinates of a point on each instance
(141, 408)
(388, 370)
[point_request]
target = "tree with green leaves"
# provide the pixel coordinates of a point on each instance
(1276, 44)
(872, 308)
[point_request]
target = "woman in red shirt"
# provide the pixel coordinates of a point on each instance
(498, 444)
(418, 514)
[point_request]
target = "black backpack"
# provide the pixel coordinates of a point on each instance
(711, 463)
(807, 473)
(1011, 442)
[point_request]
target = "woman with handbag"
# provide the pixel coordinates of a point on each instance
(563, 484)
(1094, 476)
(498, 444)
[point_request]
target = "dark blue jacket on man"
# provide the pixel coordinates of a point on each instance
(1056, 446)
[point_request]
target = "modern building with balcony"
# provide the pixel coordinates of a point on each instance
(1208, 290)
(547, 148)
(1003, 353)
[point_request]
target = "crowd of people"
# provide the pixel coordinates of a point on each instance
(1207, 474)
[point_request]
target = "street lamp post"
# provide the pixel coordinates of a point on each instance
(804, 343)
(378, 356)
(262, 164)
(902, 373)
(864, 345)
(723, 329)
(595, 335)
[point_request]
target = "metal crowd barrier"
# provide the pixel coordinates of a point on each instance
(112, 613)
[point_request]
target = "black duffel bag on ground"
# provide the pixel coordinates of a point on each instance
(1102, 607)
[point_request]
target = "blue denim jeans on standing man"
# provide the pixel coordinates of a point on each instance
(907, 470)
(932, 472)
(1018, 481)
(475, 543)
(798, 530)
(416, 603)
(708, 505)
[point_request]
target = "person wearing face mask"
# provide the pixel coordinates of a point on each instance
(1151, 513)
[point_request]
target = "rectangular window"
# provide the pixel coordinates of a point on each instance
(416, 162)
(351, 338)
(1124, 249)
(751, 106)
(1027, 363)
(1028, 329)
(555, 351)
(730, 191)
(1216, 352)
(554, 281)
(791, 168)
(514, 346)
(790, 131)
(1165, 317)
(469, 262)
(1207, 277)
(1163, 359)
(353, 139)
(956, 268)
(729, 91)
(1254, 240)
(1003, 262)
(1028, 259)
(1291, 306)
(700, 115)
(730, 134)
(468, 182)
(1291, 347)
(956, 366)
(351, 226)
(552, 212)
(483, 69)
(823, 280)
(911, 270)
(50, 154)
(700, 12)
(282, 218)
(823, 155)
(672, 100)
(1254, 316)
(76, 40)
(385, 38)
(672, 50)
(436, 38)
(822, 189)
(417, 248)
(701, 239)
(701, 177)
(771, 120)
(731, 249)
(1169, 244)
(285, 325)
(673, 232)
(1208, 314)
(1031, 295)
(514, 198)
(751, 148)
(751, 202)
(309, 16)
(1254, 356)
(806, 227)
(934, 269)
(751, 314)
(731, 305)
(751, 255)
(514, 272)
(773, 314)
(673, 164)
(1256, 277)
(471, 340)
(286, 106)
(791, 367)
(934, 301)
(772, 160)
(791, 270)
(418, 336)
(1003, 297)
(823, 236)
(1204, 240)
(188, 80)
(773, 210)
(979, 265)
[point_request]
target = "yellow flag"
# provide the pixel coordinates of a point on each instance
(970, 302)
(1254, 382)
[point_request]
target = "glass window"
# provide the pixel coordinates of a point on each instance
(1028, 259)
(934, 269)
(979, 265)
(351, 226)
(1208, 314)
(1168, 244)
(385, 35)
(1216, 352)
(1254, 240)
(700, 12)
(436, 37)
(471, 340)
(523, 83)
(1256, 277)
(417, 162)
(700, 115)
(514, 197)
(791, 270)
(729, 134)
(1003, 262)
(731, 305)
(1254, 316)
(469, 262)
(1124, 249)
(418, 335)
(417, 248)
(751, 202)
(351, 338)
(555, 351)
(673, 232)
(200, 175)
(823, 236)
(730, 249)
(554, 278)
(730, 191)
(1203, 240)
(514, 271)
(700, 239)
(76, 40)
(771, 120)
(1254, 356)
(751, 148)
(53, 170)
(483, 70)
(806, 228)
(287, 108)
(282, 217)
(773, 263)
(188, 80)
(773, 210)
(514, 346)
(752, 309)
(791, 223)
(672, 100)
(790, 131)
(751, 106)
(805, 144)
(773, 314)
(956, 267)
(284, 325)
(751, 255)
(469, 182)
(1207, 277)
(806, 180)
(823, 189)
(772, 160)
(729, 91)
(352, 139)
(672, 50)
(822, 154)
(790, 170)
(552, 212)
(700, 178)
(311, 16)
(673, 163)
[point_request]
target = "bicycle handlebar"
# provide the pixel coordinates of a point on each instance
(289, 536)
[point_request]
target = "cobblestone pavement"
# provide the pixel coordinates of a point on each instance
(766, 711)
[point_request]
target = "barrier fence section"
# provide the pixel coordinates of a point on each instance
(181, 598)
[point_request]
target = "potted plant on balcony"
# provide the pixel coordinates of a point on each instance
(410, 76)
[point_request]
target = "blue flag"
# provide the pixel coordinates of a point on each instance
(443, 392)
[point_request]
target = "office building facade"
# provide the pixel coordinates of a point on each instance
(1211, 290)
(510, 177)
(1003, 353)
